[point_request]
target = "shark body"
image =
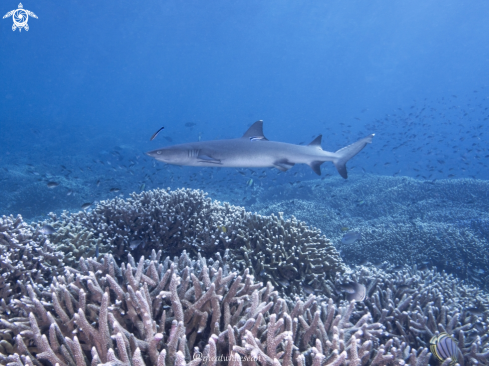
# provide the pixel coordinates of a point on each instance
(253, 150)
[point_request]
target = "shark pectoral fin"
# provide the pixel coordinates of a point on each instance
(316, 166)
(283, 165)
(208, 159)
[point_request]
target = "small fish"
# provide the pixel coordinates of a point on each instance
(115, 189)
(354, 291)
(47, 230)
(250, 182)
(258, 138)
(479, 310)
(344, 228)
(86, 205)
(190, 124)
(223, 229)
(444, 346)
(134, 244)
(283, 283)
(52, 184)
(96, 251)
(141, 188)
(156, 134)
(351, 237)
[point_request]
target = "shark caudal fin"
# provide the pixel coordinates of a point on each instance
(349, 152)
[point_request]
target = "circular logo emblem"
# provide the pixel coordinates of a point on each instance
(20, 18)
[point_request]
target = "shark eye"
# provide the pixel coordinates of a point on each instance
(158, 152)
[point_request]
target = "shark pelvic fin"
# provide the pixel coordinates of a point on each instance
(316, 142)
(349, 152)
(208, 159)
(283, 165)
(316, 166)
(255, 132)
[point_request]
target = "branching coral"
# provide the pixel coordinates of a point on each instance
(186, 312)
(401, 220)
(414, 305)
(286, 252)
(26, 257)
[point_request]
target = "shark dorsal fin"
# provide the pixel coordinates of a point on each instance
(316, 141)
(255, 131)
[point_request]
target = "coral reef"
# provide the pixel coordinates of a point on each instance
(112, 310)
(443, 223)
(286, 252)
(185, 312)
(414, 305)
(26, 257)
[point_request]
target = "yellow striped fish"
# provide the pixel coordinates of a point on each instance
(444, 346)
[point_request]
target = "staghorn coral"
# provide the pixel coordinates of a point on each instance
(185, 312)
(75, 240)
(286, 252)
(414, 305)
(26, 257)
(402, 220)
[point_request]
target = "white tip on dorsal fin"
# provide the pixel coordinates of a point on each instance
(256, 131)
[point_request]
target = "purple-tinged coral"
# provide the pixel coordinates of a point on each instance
(183, 312)
(286, 252)
(26, 257)
(415, 305)
(401, 220)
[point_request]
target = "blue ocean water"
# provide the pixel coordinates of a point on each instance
(83, 90)
(84, 86)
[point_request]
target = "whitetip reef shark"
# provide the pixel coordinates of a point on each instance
(253, 150)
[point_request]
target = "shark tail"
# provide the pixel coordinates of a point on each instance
(349, 152)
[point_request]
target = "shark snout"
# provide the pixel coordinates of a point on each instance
(153, 153)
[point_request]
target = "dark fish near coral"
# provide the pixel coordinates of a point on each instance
(52, 184)
(156, 134)
(115, 189)
(351, 237)
(444, 346)
(47, 230)
(190, 124)
(398, 267)
(479, 310)
(354, 291)
(86, 205)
